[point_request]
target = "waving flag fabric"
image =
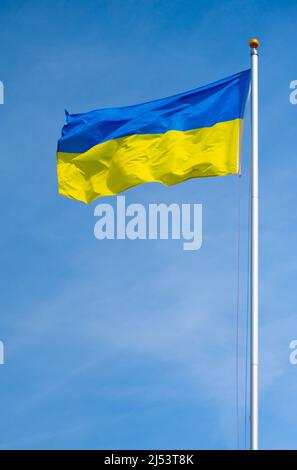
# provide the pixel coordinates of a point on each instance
(190, 135)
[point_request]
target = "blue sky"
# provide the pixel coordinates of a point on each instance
(121, 344)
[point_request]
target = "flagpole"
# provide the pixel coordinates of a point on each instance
(254, 418)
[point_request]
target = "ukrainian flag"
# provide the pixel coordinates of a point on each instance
(190, 135)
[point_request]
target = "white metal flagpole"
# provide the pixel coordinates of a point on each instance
(254, 419)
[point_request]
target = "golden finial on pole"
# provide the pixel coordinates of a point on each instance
(254, 43)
